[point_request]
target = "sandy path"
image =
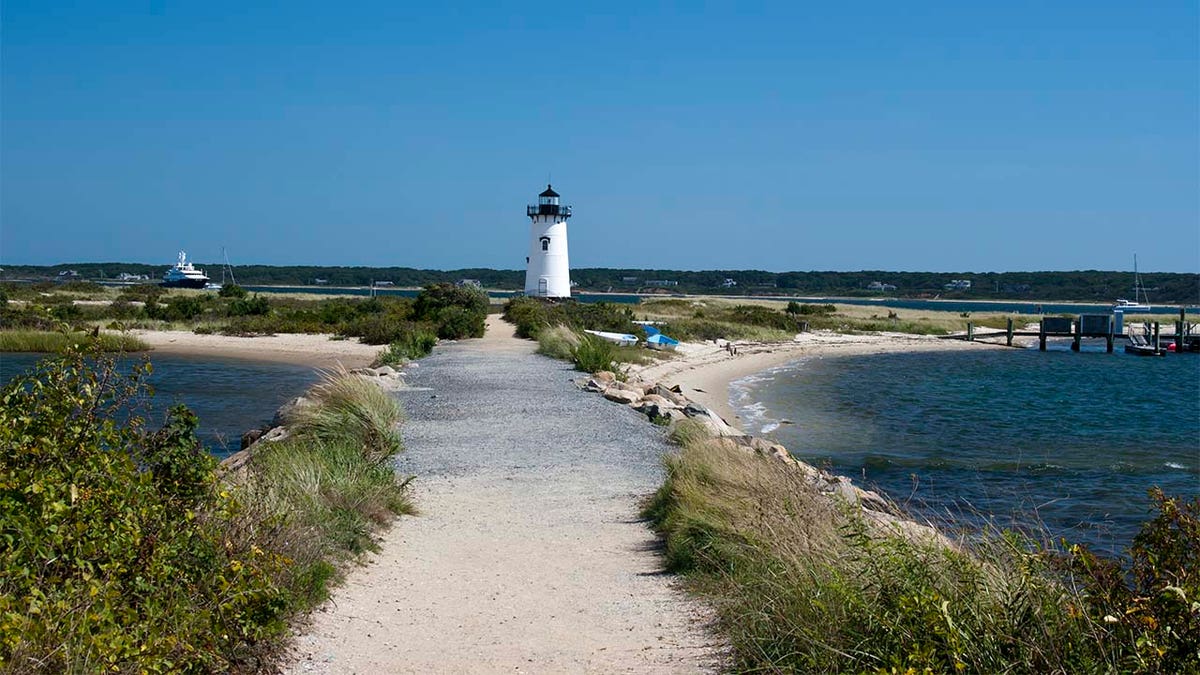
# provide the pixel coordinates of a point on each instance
(529, 556)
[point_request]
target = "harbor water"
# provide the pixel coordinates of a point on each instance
(230, 396)
(1062, 441)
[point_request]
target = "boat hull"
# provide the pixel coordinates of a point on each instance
(185, 283)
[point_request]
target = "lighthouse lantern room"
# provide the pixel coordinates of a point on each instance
(547, 271)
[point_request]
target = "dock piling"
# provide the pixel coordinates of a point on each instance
(1009, 332)
(970, 332)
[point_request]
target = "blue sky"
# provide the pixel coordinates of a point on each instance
(779, 136)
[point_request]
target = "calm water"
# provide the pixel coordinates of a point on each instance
(230, 396)
(1072, 440)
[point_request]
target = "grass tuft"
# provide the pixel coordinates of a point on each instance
(57, 342)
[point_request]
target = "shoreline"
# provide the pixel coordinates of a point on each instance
(706, 370)
(318, 351)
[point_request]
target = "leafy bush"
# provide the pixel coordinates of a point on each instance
(531, 315)
(454, 323)
(593, 354)
(232, 291)
(178, 308)
(111, 561)
(142, 292)
(123, 551)
(378, 329)
(412, 345)
(255, 306)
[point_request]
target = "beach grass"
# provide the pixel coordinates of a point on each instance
(803, 582)
(57, 341)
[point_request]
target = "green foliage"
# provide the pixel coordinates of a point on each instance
(178, 308)
(142, 292)
(52, 341)
(457, 311)
(532, 315)
(414, 344)
(113, 556)
(558, 342)
(121, 550)
(254, 306)
(803, 584)
(593, 354)
(232, 291)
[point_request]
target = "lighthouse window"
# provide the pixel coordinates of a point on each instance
(545, 243)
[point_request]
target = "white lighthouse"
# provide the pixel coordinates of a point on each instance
(547, 272)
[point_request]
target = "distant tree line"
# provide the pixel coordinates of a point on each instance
(1084, 285)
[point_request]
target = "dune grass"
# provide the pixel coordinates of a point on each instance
(57, 342)
(806, 583)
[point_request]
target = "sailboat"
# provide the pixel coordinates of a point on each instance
(1140, 302)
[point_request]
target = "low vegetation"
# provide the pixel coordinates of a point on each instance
(443, 311)
(806, 584)
(60, 341)
(532, 315)
(125, 549)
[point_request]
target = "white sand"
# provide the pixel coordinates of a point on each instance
(319, 351)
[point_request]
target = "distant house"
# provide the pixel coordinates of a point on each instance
(384, 283)
(629, 280)
(879, 286)
(126, 276)
(469, 283)
(728, 283)
(958, 285)
(661, 282)
(320, 282)
(68, 274)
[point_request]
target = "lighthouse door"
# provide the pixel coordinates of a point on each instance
(543, 287)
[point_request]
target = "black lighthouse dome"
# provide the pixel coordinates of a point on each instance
(548, 205)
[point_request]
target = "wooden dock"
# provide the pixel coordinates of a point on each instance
(1186, 337)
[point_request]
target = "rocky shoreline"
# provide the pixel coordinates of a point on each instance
(665, 404)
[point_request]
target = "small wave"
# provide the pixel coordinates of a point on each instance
(768, 427)
(1174, 465)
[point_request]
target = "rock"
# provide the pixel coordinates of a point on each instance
(275, 434)
(289, 409)
(676, 415)
(628, 386)
(386, 371)
(595, 385)
(365, 372)
(249, 437)
(621, 395)
(670, 394)
(659, 401)
(605, 376)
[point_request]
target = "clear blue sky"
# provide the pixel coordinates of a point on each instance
(955, 136)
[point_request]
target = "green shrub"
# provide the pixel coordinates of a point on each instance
(56, 341)
(437, 297)
(414, 344)
(255, 306)
(593, 354)
(178, 308)
(232, 291)
(455, 323)
(111, 559)
(378, 329)
(531, 315)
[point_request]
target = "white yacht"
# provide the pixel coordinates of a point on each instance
(184, 275)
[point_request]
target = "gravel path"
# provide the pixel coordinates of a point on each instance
(529, 555)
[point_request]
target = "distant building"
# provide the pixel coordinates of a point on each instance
(661, 282)
(728, 283)
(384, 283)
(126, 276)
(469, 283)
(320, 282)
(68, 274)
(959, 285)
(629, 280)
(880, 286)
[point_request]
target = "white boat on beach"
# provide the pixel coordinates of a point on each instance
(623, 339)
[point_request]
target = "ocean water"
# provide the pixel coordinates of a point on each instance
(1070, 441)
(231, 396)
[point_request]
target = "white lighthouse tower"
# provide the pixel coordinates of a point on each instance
(547, 272)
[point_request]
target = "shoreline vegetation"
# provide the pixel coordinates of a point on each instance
(127, 548)
(809, 573)
(1088, 286)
